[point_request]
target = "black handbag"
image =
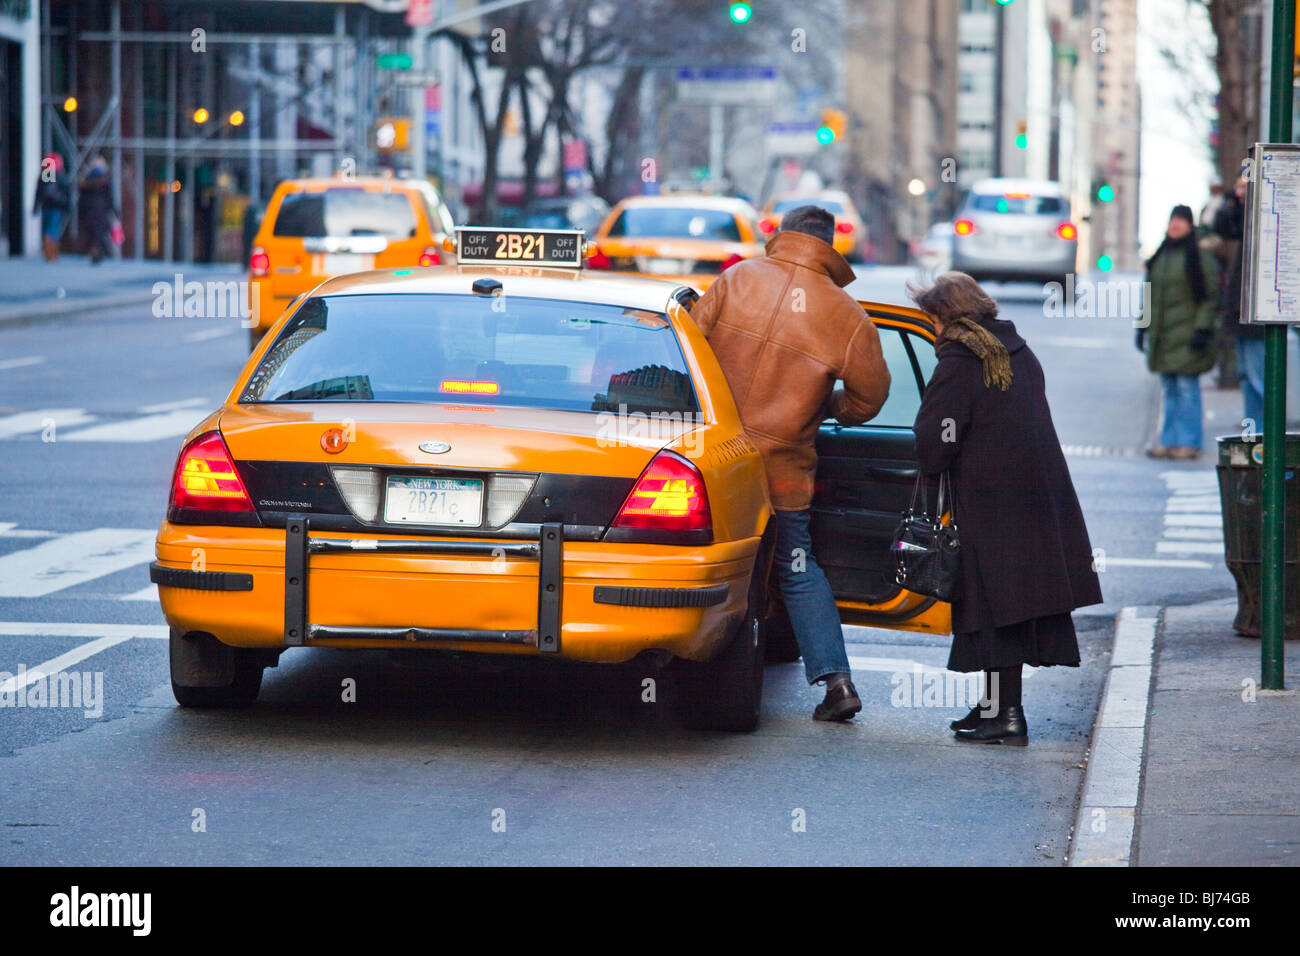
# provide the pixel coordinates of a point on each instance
(927, 553)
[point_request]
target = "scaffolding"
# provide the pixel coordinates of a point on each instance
(199, 110)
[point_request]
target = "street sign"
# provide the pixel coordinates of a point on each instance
(1271, 290)
(790, 139)
(732, 85)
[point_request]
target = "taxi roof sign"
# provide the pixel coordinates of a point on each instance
(498, 245)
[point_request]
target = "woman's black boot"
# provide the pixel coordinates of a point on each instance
(970, 721)
(1008, 727)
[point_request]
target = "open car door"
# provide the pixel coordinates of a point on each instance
(865, 476)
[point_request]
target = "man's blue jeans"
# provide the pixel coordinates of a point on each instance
(808, 598)
(1183, 417)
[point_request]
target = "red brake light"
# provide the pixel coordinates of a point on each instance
(730, 261)
(1066, 230)
(767, 227)
(598, 260)
(844, 227)
(430, 257)
(963, 227)
(669, 496)
(259, 263)
(206, 477)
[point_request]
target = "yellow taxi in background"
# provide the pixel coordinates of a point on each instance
(513, 455)
(317, 228)
(691, 238)
(850, 229)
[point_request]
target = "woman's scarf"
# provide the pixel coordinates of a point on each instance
(988, 348)
(1191, 263)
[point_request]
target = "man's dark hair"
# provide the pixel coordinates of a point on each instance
(811, 221)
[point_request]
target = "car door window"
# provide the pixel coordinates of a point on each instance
(904, 400)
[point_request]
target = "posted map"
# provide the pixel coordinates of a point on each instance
(1277, 236)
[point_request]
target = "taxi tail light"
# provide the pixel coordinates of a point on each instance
(259, 263)
(844, 227)
(598, 260)
(669, 496)
(430, 257)
(730, 261)
(1066, 230)
(963, 227)
(206, 478)
(767, 227)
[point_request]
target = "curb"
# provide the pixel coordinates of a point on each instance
(48, 309)
(1104, 826)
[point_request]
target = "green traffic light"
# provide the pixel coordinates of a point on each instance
(741, 12)
(1105, 263)
(393, 61)
(825, 135)
(1022, 141)
(1105, 192)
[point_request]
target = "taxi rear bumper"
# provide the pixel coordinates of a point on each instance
(592, 601)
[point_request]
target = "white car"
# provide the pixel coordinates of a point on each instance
(1015, 230)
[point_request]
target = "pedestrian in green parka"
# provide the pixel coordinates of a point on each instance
(1180, 319)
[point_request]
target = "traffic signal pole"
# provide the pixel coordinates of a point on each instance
(1273, 492)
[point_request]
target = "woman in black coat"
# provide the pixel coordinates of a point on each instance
(1026, 560)
(97, 210)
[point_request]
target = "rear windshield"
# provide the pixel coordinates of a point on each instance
(1021, 205)
(459, 349)
(832, 207)
(683, 221)
(346, 212)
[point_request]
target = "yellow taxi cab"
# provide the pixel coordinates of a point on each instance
(850, 229)
(317, 228)
(690, 238)
(513, 455)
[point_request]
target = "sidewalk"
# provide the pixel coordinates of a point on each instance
(32, 290)
(1221, 778)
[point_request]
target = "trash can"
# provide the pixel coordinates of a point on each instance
(1240, 470)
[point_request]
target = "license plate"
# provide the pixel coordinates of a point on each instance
(665, 266)
(411, 500)
(337, 263)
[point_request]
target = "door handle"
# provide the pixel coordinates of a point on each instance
(897, 475)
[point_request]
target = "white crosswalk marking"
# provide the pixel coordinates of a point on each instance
(24, 362)
(150, 428)
(73, 559)
(24, 422)
(1193, 520)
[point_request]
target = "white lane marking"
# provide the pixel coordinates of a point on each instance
(1202, 534)
(57, 664)
(1157, 563)
(1189, 547)
(1110, 786)
(61, 629)
(171, 406)
(1195, 521)
(7, 530)
(1096, 451)
(21, 362)
(207, 334)
(144, 594)
(890, 665)
(153, 428)
(1202, 504)
(72, 559)
(23, 422)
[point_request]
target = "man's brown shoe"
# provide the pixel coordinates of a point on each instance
(841, 702)
(1158, 451)
(1184, 454)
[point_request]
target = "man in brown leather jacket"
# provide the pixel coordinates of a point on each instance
(784, 331)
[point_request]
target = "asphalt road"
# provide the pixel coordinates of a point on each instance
(437, 753)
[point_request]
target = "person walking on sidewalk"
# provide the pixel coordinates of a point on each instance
(1179, 320)
(97, 209)
(53, 199)
(1026, 559)
(1229, 223)
(784, 330)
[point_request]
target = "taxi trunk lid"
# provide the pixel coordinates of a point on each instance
(522, 466)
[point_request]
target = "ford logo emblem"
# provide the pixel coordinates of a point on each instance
(434, 447)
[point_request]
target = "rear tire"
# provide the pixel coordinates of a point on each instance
(726, 693)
